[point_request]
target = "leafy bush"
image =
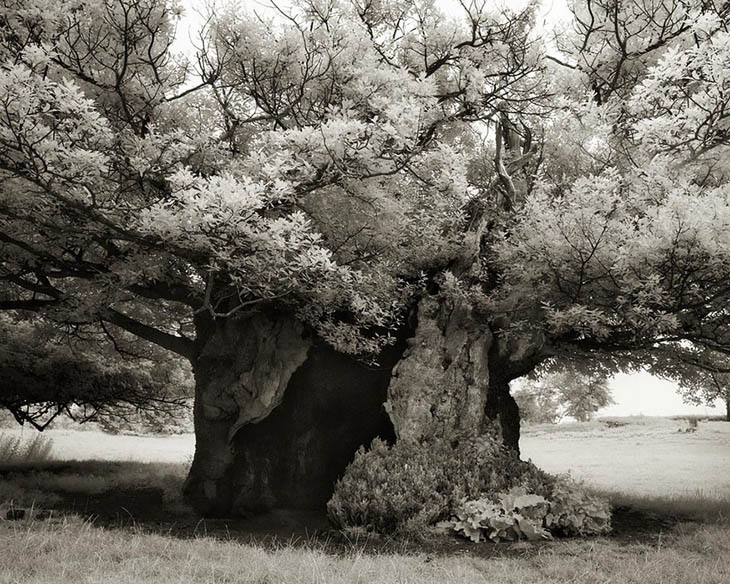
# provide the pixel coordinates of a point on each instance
(563, 508)
(574, 511)
(476, 487)
(408, 487)
(515, 515)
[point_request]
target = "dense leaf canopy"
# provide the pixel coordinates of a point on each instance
(47, 372)
(338, 160)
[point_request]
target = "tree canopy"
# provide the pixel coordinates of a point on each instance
(338, 160)
(47, 372)
(554, 396)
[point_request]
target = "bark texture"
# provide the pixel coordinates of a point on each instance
(241, 374)
(454, 378)
(292, 459)
(279, 416)
(440, 386)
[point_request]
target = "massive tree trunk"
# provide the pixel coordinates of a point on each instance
(452, 379)
(440, 386)
(241, 374)
(278, 415)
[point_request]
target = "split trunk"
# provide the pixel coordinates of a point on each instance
(279, 415)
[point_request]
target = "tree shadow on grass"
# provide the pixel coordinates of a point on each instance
(145, 498)
(144, 510)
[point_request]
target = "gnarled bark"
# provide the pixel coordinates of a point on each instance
(241, 374)
(440, 386)
(454, 377)
(279, 416)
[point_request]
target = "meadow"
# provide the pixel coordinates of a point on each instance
(119, 518)
(646, 456)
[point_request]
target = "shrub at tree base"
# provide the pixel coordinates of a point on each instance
(517, 514)
(475, 487)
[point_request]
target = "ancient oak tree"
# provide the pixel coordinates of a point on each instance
(360, 218)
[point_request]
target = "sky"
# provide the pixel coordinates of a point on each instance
(644, 394)
(634, 394)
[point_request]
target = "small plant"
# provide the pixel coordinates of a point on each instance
(566, 510)
(574, 511)
(13, 449)
(515, 515)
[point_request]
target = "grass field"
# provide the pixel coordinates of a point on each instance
(648, 456)
(85, 444)
(672, 491)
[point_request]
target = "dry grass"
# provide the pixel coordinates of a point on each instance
(89, 444)
(74, 551)
(15, 449)
(706, 508)
(46, 484)
(70, 550)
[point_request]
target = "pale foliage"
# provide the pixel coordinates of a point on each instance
(334, 160)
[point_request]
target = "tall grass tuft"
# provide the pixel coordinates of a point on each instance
(16, 450)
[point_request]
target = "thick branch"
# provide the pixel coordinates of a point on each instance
(510, 191)
(176, 344)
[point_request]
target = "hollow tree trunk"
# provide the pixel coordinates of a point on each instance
(332, 406)
(278, 416)
(450, 381)
(241, 374)
(502, 408)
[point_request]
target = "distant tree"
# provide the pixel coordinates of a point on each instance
(538, 403)
(557, 395)
(44, 374)
(703, 375)
(716, 387)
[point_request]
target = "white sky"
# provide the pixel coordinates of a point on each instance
(641, 393)
(636, 394)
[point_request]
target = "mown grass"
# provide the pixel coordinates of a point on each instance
(613, 425)
(653, 457)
